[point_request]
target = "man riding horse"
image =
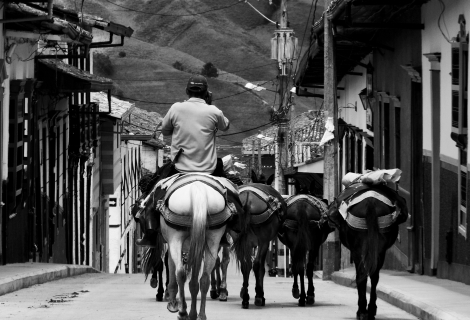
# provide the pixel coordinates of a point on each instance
(192, 125)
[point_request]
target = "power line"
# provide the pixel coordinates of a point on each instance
(231, 134)
(184, 79)
(174, 15)
(170, 103)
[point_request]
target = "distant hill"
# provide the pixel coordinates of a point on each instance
(171, 42)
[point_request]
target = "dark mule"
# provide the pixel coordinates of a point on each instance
(262, 216)
(153, 263)
(302, 232)
(369, 230)
(218, 281)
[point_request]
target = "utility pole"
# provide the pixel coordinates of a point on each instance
(283, 49)
(260, 170)
(332, 247)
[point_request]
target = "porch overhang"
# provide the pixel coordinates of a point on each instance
(357, 30)
(62, 77)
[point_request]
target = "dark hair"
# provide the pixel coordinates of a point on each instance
(197, 94)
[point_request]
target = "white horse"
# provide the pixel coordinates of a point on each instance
(205, 206)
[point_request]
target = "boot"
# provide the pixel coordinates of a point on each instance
(149, 239)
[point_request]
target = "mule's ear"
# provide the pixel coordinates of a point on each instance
(270, 180)
(325, 201)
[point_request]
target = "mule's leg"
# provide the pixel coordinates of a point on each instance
(374, 280)
(310, 265)
(246, 269)
(154, 279)
(194, 290)
(160, 281)
(172, 287)
(259, 270)
(295, 286)
(214, 286)
(176, 245)
(210, 256)
(224, 266)
(302, 286)
(167, 273)
(361, 313)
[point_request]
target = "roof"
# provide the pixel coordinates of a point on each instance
(357, 27)
(58, 75)
(119, 108)
(142, 122)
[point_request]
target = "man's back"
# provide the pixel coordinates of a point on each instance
(192, 125)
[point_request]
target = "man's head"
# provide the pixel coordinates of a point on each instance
(197, 86)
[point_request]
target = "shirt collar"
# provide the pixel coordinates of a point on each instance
(196, 100)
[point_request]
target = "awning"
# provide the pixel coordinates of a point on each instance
(62, 77)
(357, 30)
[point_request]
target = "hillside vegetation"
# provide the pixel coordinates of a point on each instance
(171, 42)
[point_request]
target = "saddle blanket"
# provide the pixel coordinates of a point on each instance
(343, 209)
(372, 177)
(310, 199)
(168, 182)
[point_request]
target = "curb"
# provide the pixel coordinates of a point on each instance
(405, 302)
(25, 280)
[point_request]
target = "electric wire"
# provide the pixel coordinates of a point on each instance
(174, 15)
(246, 1)
(231, 134)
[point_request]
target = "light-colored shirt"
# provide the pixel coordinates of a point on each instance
(192, 125)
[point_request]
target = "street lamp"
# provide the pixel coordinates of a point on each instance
(367, 104)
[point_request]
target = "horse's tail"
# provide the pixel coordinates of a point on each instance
(152, 257)
(198, 196)
(302, 241)
(240, 244)
(371, 246)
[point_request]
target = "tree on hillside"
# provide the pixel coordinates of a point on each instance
(102, 65)
(209, 70)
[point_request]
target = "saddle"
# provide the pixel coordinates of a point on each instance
(273, 200)
(357, 192)
(215, 220)
(313, 201)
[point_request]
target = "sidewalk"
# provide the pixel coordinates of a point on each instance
(22, 275)
(427, 298)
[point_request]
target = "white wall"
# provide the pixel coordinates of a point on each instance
(316, 167)
(434, 41)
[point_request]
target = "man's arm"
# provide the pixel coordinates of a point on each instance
(223, 123)
(167, 126)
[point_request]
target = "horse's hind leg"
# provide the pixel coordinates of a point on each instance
(374, 279)
(361, 288)
(160, 291)
(259, 270)
(172, 287)
(246, 268)
(215, 275)
(224, 266)
(295, 286)
(312, 254)
(176, 246)
(302, 286)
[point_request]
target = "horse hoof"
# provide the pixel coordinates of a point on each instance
(295, 293)
(154, 282)
(362, 316)
(310, 300)
(172, 306)
(243, 291)
(214, 294)
(260, 302)
(245, 305)
(183, 316)
(167, 296)
(223, 297)
(301, 302)
(159, 297)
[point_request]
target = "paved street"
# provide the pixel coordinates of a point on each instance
(109, 296)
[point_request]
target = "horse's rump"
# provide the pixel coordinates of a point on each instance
(176, 207)
(264, 203)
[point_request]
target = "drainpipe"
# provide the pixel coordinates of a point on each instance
(41, 18)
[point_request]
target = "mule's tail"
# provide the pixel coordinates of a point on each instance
(152, 257)
(371, 246)
(240, 243)
(197, 243)
(302, 242)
